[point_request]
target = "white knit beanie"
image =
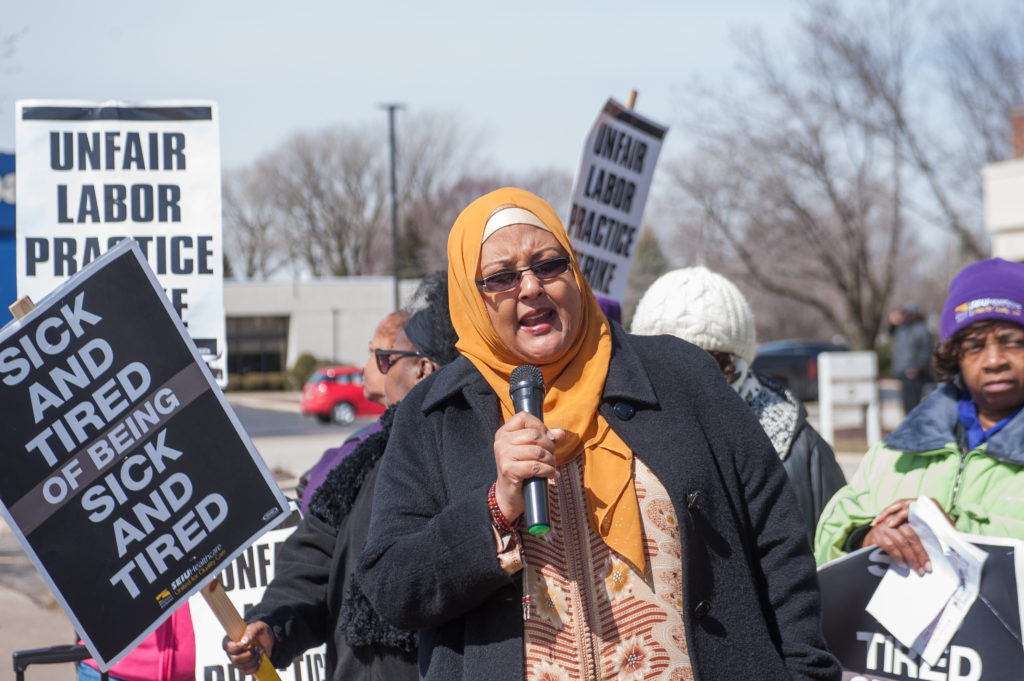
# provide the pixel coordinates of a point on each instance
(698, 306)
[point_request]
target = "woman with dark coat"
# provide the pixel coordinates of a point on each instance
(312, 598)
(676, 550)
(708, 310)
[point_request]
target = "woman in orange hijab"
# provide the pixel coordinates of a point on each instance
(674, 552)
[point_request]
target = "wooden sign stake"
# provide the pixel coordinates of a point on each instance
(234, 625)
(21, 307)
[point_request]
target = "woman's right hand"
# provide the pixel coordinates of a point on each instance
(523, 448)
(891, 531)
(245, 654)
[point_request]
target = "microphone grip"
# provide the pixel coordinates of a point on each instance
(535, 494)
(526, 388)
(535, 490)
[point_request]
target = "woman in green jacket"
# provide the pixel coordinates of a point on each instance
(963, 446)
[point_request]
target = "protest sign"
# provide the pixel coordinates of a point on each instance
(8, 283)
(987, 647)
(609, 195)
(126, 476)
(244, 580)
(91, 174)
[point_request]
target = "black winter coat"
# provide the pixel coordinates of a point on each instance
(750, 593)
(312, 599)
(809, 461)
(814, 472)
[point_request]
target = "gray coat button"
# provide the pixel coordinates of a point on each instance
(624, 410)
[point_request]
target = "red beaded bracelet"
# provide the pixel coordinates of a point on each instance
(497, 517)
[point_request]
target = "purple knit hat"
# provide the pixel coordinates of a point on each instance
(989, 289)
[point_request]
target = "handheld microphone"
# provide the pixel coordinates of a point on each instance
(526, 388)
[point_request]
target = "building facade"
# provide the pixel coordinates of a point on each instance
(270, 324)
(1004, 198)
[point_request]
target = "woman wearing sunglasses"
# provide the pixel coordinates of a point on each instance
(675, 551)
(312, 598)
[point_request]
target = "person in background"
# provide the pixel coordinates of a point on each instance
(963, 446)
(167, 654)
(676, 550)
(911, 353)
(312, 598)
(373, 389)
(611, 308)
(707, 309)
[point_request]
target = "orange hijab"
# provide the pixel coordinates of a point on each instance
(573, 383)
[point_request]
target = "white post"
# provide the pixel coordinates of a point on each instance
(849, 379)
(825, 405)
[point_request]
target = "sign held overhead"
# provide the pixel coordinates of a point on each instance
(609, 195)
(93, 173)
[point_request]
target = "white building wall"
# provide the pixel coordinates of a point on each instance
(1004, 208)
(329, 318)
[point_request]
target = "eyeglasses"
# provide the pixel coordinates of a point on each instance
(385, 361)
(506, 280)
(1008, 341)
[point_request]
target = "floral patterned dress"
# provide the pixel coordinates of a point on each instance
(591, 615)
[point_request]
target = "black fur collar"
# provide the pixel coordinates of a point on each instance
(333, 500)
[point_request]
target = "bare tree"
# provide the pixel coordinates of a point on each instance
(429, 217)
(8, 42)
(330, 190)
(435, 153)
(818, 177)
(982, 59)
(252, 236)
(878, 71)
(323, 199)
(649, 263)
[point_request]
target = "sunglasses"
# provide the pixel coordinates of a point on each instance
(385, 361)
(506, 280)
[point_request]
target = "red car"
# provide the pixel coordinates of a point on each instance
(336, 394)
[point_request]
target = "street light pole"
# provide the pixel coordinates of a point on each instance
(394, 192)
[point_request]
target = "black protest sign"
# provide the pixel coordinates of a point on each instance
(126, 476)
(987, 647)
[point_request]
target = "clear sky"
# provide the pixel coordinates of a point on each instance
(531, 76)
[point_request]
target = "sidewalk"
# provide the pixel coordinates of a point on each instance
(284, 401)
(32, 618)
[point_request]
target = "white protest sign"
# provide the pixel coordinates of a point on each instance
(125, 474)
(92, 173)
(245, 580)
(609, 195)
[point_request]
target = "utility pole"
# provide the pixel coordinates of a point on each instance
(394, 192)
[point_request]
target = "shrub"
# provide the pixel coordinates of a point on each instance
(267, 380)
(884, 352)
(303, 368)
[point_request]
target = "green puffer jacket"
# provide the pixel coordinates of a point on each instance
(982, 490)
